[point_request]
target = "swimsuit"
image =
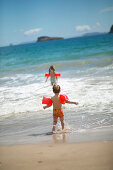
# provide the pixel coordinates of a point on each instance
(58, 113)
(53, 78)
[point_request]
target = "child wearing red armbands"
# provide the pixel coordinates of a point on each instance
(57, 101)
(52, 73)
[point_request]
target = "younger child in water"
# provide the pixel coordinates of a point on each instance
(53, 78)
(57, 107)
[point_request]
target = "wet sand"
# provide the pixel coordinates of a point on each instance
(74, 156)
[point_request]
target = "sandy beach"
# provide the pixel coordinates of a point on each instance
(80, 156)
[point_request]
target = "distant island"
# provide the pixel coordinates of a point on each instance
(46, 38)
(94, 33)
(111, 30)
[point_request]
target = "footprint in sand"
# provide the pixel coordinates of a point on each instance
(39, 162)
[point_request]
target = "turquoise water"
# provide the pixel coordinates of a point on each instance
(86, 66)
(37, 56)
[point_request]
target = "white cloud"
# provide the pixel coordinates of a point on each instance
(83, 28)
(32, 31)
(107, 9)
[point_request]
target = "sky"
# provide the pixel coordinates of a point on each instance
(25, 20)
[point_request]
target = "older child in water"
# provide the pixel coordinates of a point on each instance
(57, 107)
(53, 78)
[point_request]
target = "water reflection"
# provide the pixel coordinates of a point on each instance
(59, 138)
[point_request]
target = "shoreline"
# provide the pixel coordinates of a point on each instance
(31, 137)
(80, 156)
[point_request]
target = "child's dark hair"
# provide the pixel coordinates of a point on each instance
(56, 88)
(52, 68)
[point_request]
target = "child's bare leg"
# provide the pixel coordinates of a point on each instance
(54, 124)
(62, 122)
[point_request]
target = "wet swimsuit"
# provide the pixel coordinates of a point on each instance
(58, 113)
(53, 78)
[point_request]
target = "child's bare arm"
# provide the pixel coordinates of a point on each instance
(46, 79)
(70, 102)
(45, 107)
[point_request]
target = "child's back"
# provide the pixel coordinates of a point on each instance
(56, 102)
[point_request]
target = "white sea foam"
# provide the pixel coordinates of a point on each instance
(25, 91)
(91, 88)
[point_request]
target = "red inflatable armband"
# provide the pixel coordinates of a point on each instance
(47, 101)
(62, 98)
(47, 75)
(57, 74)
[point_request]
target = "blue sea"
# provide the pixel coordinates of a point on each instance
(86, 67)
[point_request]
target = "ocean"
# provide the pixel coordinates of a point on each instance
(86, 67)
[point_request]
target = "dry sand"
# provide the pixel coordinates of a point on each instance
(75, 156)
